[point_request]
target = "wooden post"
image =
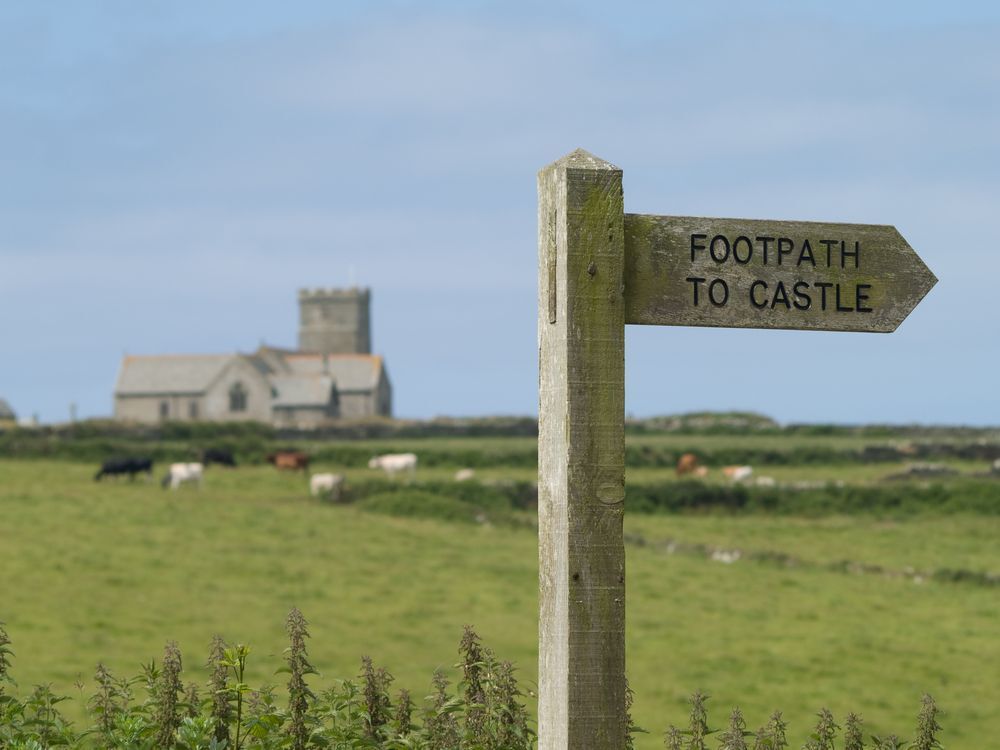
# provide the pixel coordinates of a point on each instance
(581, 455)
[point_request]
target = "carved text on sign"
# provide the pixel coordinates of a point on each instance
(747, 273)
(798, 294)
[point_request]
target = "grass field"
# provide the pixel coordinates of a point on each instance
(923, 543)
(111, 571)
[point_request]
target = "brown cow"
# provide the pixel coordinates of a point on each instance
(688, 464)
(289, 460)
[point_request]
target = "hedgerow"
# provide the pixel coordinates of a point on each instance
(895, 499)
(251, 441)
(497, 501)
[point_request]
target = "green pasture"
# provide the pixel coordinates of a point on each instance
(109, 572)
(923, 543)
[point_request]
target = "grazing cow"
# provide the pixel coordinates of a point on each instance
(464, 475)
(726, 556)
(289, 460)
(394, 463)
(326, 485)
(219, 456)
(179, 474)
(687, 464)
(737, 473)
(129, 465)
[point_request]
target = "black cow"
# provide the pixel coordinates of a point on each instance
(219, 456)
(125, 465)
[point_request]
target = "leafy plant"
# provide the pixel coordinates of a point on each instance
(486, 711)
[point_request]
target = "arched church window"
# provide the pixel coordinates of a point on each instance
(237, 397)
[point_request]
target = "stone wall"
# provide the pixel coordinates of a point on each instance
(149, 409)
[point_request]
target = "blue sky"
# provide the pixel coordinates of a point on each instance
(175, 172)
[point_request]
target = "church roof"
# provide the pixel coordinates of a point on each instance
(298, 390)
(301, 378)
(352, 372)
(5, 411)
(170, 373)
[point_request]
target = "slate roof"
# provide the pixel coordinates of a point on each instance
(300, 378)
(270, 359)
(353, 372)
(299, 390)
(170, 373)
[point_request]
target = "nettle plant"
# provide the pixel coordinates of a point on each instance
(771, 736)
(157, 710)
(484, 710)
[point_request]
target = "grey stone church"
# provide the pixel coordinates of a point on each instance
(332, 375)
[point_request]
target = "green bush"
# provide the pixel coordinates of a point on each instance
(157, 710)
(772, 734)
(495, 502)
(673, 497)
(895, 499)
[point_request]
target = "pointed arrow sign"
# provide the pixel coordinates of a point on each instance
(744, 273)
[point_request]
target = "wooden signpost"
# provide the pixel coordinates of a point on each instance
(744, 273)
(598, 269)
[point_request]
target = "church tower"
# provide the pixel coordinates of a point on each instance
(335, 321)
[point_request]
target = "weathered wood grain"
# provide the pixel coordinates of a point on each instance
(581, 455)
(775, 274)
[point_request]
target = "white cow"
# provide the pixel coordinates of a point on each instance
(179, 474)
(394, 463)
(737, 473)
(726, 556)
(465, 475)
(326, 485)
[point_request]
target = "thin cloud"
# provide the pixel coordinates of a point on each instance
(189, 172)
